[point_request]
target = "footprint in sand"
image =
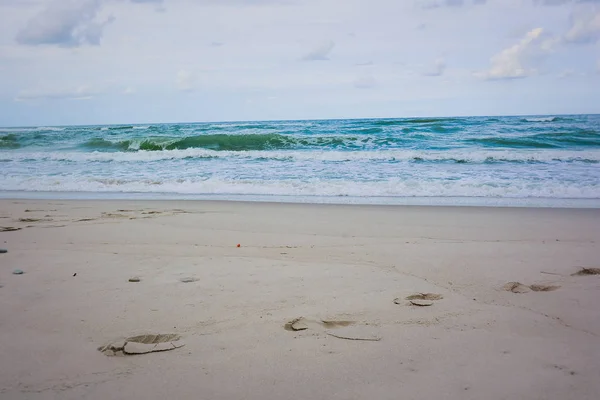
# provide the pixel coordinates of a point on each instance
(142, 344)
(543, 288)
(518, 287)
(9, 229)
(114, 215)
(420, 299)
(348, 330)
(587, 272)
(30, 220)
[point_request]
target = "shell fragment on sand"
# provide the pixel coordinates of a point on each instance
(425, 296)
(18, 272)
(420, 299)
(143, 344)
(134, 279)
(188, 280)
(297, 324)
(421, 303)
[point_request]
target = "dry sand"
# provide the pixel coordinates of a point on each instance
(347, 270)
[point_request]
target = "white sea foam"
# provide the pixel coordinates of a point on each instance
(317, 187)
(11, 130)
(50, 128)
(459, 155)
(540, 119)
(40, 128)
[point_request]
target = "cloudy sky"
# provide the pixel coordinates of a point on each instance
(130, 61)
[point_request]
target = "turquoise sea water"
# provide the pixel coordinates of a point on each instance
(502, 158)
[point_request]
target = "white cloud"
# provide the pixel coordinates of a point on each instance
(185, 80)
(585, 26)
(437, 69)
(70, 23)
(66, 23)
(320, 53)
(584, 29)
(77, 93)
(129, 90)
(510, 63)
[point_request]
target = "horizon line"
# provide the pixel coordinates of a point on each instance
(297, 120)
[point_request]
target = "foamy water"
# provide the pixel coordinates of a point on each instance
(549, 157)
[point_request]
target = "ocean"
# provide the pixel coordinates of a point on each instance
(549, 160)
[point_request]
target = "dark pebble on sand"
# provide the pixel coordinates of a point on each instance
(3, 251)
(134, 279)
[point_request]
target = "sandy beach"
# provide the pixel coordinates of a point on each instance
(340, 275)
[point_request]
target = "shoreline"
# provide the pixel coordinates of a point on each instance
(488, 202)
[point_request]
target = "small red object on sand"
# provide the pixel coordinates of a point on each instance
(239, 245)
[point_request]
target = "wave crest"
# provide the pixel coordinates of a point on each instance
(218, 142)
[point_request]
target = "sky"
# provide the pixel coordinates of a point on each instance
(66, 62)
